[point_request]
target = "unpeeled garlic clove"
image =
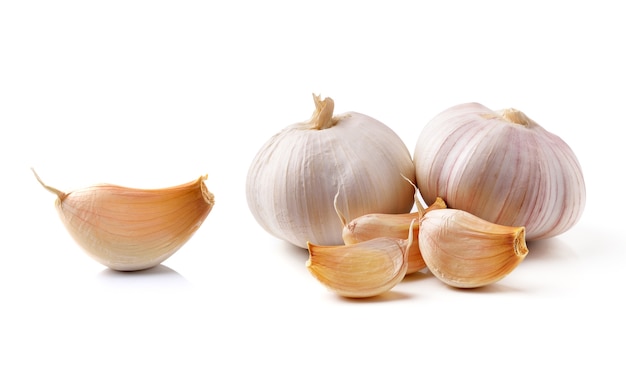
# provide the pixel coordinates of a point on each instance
(465, 251)
(128, 229)
(361, 270)
(375, 225)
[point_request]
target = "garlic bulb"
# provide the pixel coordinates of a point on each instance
(500, 166)
(465, 251)
(129, 229)
(294, 177)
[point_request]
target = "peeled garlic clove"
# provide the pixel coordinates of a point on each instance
(465, 251)
(500, 166)
(293, 178)
(360, 270)
(128, 229)
(375, 225)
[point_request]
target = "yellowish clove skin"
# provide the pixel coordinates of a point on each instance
(465, 251)
(370, 226)
(129, 229)
(361, 270)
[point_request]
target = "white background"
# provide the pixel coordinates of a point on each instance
(157, 93)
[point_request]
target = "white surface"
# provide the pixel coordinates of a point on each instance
(151, 94)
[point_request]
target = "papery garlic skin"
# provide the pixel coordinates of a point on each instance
(465, 251)
(129, 229)
(500, 166)
(294, 177)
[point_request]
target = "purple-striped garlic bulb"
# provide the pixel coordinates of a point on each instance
(502, 167)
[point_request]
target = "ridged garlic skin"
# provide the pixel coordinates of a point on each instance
(293, 179)
(502, 167)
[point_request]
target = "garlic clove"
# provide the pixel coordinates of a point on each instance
(375, 225)
(128, 229)
(465, 251)
(360, 270)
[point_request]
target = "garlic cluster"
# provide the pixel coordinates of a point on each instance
(293, 178)
(494, 180)
(128, 229)
(500, 166)
(460, 249)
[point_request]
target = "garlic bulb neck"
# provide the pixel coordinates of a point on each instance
(323, 116)
(516, 117)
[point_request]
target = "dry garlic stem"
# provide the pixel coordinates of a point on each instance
(515, 116)
(465, 251)
(361, 270)
(323, 116)
(130, 229)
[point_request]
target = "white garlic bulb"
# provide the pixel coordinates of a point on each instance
(500, 166)
(293, 179)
